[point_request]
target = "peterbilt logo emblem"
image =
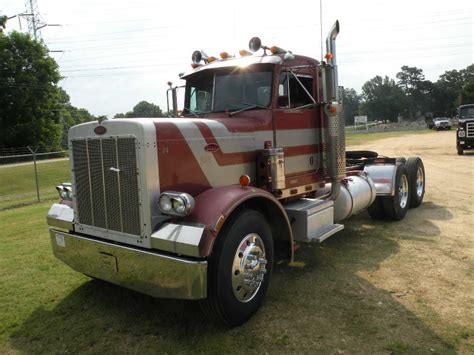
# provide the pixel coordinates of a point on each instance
(114, 169)
(100, 130)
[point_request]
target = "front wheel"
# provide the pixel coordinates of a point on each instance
(460, 150)
(239, 268)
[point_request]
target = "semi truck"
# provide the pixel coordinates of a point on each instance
(200, 205)
(465, 131)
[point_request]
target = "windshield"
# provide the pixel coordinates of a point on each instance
(466, 112)
(228, 90)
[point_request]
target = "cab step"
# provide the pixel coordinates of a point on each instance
(312, 220)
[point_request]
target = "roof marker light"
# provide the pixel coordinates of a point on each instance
(244, 53)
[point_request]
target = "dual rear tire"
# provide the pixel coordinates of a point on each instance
(409, 191)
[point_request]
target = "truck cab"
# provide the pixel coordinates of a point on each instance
(465, 131)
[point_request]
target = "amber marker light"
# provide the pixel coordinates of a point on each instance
(244, 53)
(244, 180)
(332, 109)
(224, 55)
(328, 56)
(211, 59)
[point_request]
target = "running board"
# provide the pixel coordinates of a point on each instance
(327, 232)
(312, 220)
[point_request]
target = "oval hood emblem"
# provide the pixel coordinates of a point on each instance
(100, 130)
(211, 147)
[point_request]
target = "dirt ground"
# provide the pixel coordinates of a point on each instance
(437, 255)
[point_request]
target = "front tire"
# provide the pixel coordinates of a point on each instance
(396, 206)
(460, 150)
(239, 268)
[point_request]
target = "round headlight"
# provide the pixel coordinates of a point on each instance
(64, 194)
(179, 206)
(461, 133)
(165, 203)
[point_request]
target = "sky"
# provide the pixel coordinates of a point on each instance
(117, 53)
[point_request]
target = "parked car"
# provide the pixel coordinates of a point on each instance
(442, 123)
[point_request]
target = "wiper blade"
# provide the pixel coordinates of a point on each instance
(195, 113)
(250, 107)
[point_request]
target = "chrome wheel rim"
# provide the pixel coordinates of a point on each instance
(420, 181)
(249, 267)
(403, 191)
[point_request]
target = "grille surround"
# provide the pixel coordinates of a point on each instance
(106, 183)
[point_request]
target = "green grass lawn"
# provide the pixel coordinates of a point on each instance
(18, 186)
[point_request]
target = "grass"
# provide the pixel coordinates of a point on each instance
(325, 304)
(18, 186)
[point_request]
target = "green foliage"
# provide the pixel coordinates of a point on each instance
(29, 97)
(142, 109)
(383, 99)
(467, 94)
(416, 89)
(70, 115)
(3, 22)
(448, 88)
(350, 103)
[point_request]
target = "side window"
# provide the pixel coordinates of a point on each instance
(199, 100)
(291, 93)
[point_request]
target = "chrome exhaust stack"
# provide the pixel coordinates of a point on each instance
(334, 121)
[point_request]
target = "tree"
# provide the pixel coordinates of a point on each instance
(29, 95)
(467, 94)
(448, 88)
(351, 102)
(383, 99)
(416, 89)
(142, 109)
(70, 115)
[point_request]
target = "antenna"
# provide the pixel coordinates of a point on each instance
(321, 26)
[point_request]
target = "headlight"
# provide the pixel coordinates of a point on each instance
(165, 203)
(176, 203)
(462, 133)
(65, 191)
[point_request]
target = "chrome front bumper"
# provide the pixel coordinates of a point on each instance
(148, 272)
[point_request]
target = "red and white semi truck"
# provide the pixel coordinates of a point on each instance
(199, 206)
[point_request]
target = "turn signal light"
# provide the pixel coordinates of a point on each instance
(328, 56)
(224, 55)
(211, 59)
(332, 109)
(244, 180)
(244, 53)
(195, 65)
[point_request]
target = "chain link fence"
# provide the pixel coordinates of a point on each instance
(29, 175)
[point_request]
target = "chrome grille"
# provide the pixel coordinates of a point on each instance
(470, 129)
(106, 183)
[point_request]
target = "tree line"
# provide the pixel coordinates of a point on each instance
(410, 96)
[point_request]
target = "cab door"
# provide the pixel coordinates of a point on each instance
(298, 131)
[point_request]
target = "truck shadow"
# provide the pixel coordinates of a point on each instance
(323, 302)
